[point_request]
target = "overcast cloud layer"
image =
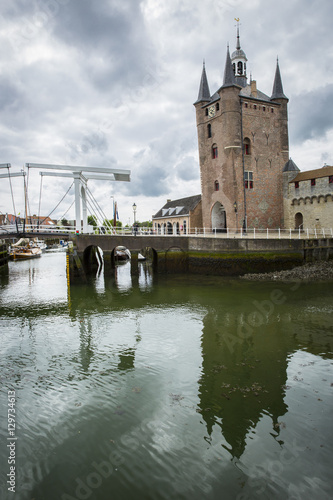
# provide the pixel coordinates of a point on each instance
(112, 84)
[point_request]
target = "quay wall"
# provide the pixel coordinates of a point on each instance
(202, 255)
(3, 256)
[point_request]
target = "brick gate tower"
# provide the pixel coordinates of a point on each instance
(243, 147)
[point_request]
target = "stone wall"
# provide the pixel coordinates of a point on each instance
(314, 204)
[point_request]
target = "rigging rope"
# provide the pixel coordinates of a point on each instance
(58, 203)
(68, 209)
(107, 223)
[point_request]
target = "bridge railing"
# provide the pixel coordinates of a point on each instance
(267, 233)
(33, 228)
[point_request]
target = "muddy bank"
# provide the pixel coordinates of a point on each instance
(313, 271)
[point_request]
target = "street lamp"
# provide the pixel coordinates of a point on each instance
(134, 211)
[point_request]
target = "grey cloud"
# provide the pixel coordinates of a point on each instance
(311, 116)
(188, 169)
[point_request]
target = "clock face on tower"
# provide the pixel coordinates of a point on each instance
(211, 111)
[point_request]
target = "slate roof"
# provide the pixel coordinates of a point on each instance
(290, 166)
(204, 92)
(314, 174)
(229, 77)
(246, 92)
(179, 207)
(277, 86)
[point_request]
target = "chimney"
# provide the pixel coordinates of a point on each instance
(254, 88)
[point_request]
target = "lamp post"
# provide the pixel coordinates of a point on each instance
(134, 211)
(236, 212)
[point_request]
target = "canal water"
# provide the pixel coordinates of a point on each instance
(167, 387)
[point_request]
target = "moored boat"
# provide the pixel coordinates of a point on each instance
(25, 252)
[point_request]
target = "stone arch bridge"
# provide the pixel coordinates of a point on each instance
(165, 252)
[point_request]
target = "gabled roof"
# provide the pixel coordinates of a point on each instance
(180, 207)
(314, 174)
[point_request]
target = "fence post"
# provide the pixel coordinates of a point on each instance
(299, 232)
(241, 232)
(315, 233)
(267, 233)
(279, 233)
(307, 233)
(323, 232)
(204, 232)
(215, 231)
(254, 233)
(290, 232)
(227, 232)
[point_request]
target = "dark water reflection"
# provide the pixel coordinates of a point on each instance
(166, 387)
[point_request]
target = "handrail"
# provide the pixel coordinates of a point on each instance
(228, 233)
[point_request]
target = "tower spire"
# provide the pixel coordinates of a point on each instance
(239, 60)
(229, 77)
(238, 46)
(277, 86)
(204, 92)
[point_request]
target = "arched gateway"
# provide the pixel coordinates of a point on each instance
(218, 217)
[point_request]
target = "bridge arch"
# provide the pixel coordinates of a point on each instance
(92, 259)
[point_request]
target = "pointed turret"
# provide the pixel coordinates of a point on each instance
(204, 92)
(229, 77)
(277, 86)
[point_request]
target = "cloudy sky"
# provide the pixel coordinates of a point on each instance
(112, 83)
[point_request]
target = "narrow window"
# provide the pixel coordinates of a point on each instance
(330, 179)
(209, 130)
(296, 185)
(254, 106)
(206, 111)
(234, 68)
(239, 67)
(313, 182)
(246, 104)
(272, 110)
(216, 186)
(264, 108)
(247, 146)
(217, 106)
(248, 180)
(214, 151)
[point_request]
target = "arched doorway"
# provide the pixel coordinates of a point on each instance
(299, 220)
(219, 219)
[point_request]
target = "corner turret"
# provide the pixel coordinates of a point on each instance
(204, 92)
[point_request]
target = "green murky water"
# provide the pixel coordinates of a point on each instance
(179, 387)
